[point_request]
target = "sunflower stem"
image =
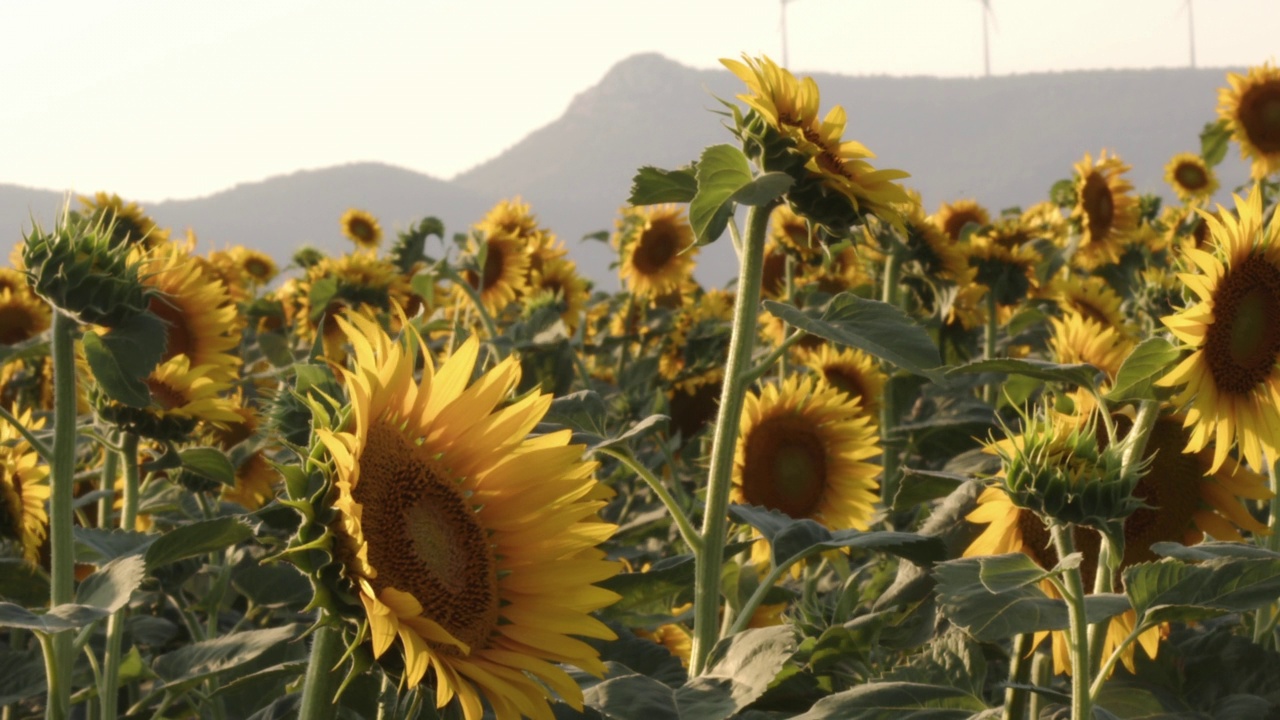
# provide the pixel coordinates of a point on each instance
(989, 345)
(107, 485)
(687, 531)
(1020, 660)
(1041, 676)
(892, 446)
(62, 561)
(1078, 635)
(108, 689)
(318, 700)
(706, 591)
(749, 608)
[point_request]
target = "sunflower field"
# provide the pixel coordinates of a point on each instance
(968, 464)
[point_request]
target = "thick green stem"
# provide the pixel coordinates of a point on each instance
(706, 591)
(322, 679)
(891, 457)
(1041, 676)
(989, 344)
(1015, 698)
(687, 531)
(107, 485)
(108, 690)
(61, 481)
(1078, 634)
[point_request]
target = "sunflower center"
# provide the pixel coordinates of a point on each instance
(1099, 206)
(785, 467)
(1191, 176)
(845, 381)
(167, 396)
(178, 335)
(1171, 488)
(1243, 343)
(1260, 115)
(494, 263)
(360, 228)
(17, 323)
(655, 249)
(424, 538)
(257, 269)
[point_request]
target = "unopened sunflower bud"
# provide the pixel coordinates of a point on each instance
(82, 271)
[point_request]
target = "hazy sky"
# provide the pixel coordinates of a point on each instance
(158, 99)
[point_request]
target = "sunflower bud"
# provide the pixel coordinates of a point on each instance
(80, 269)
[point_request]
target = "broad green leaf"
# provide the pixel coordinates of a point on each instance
(652, 185)
(1170, 590)
(952, 660)
(792, 540)
(895, 700)
(636, 430)
(140, 340)
(1131, 701)
(21, 674)
(209, 657)
(322, 291)
(196, 539)
(1212, 550)
(652, 588)
(989, 616)
(583, 412)
(119, 383)
(1143, 366)
(722, 171)
(209, 463)
(113, 584)
(764, 189)
(272, 585)
(752, 659)
(869, 325)
(1063, 193)
(1214, 139)
(919, 487)
(275, 348)
(69, 616)
(1081, 374)
(999, 573)
(23, 583)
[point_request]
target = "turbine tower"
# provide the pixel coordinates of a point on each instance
(1191, 32)
(987, 18)
(782, 24)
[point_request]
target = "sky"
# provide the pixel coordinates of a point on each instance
(162, 99)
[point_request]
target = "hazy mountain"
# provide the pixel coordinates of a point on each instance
(1003, 140)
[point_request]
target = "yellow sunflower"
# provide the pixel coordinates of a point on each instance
(23, 315)
(658, 249)
(935, 253)
(693, 400)
(181, 398)
(954, 217)
(560, 279)
(198, 312)
(1009, 272)
(470, 541)
(361, 228)
(1105, 208)
(505, 274)
(1232, 377)
(802, 451)
(842, 165)
(24, 489)
(789, 105)
(1190, 177)
(1251, 107)
(129, 223)
(1078, 339)
(1089, 296)
(257, 265)
(850, 371)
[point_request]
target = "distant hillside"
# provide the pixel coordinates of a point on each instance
(1004, 140)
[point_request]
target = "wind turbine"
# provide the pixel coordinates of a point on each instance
(1191, 32)
(988, 17)
(783, 25)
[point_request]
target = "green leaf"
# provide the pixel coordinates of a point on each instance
(276, 349)
(919, 487)
(322, 291)
(792, 540)
(1144, 364)
(652, 185)
(894, 700)
(1063, 193)
(209, 463)
(1214, 139)
(989, 616)
(752, 659)
(196, 539)
(197, 661)
(113, 584)
(23, 583)
(722, 171)
(1170, 590)
(1211, 550)
(69, 616)
(119, 384)
(869, 325)
(1000, 573)
(764, 189)
(1081, 374)
(636, 430)
(21, 675)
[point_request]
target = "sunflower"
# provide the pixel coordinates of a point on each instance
(1089, 296)
(954, 217)
(789, 105)
(966, 307)
(1232, 377)
(1009, 272)
(559, 278)
(1251, 107)
(470, 541)
(792, 232)
(693, 400)
(931, 249)
(24, 488)
(505, 275)
(802, 451)
(851, 371)
(129, 224)
(257, 265)
(842, 166)
(361, 228)
(23, 315)
(1105, 208)
(199, 314)
(1190, 177)
(658, 248)
(1078, 339)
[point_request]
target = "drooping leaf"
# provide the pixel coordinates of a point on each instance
(792, 540)
(652, 186)
(70, 616)
(1081, 374)
(722, 171)
(918, 487)
(869, 325)
(209, 463)
(112, 373)
(634, 431)
(999, 573)
(1212, 550)
(1214, 139)
(196, 539)
(1144, 365)
(21, 675)
(894, 700)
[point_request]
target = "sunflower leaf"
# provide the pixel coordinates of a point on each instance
(722, 171)
(21, 675)
(764, 189)
(69, 616)
(120, 384)
(1081, 374)
(199, 660)
(792, 540)
(652, 186)
(209, 463)
(196, 539)
(1214, 139)
(1000, 573)
(113, 584)
(869, 325)
(883, 700)
(1170, 590)
(1149, 359)
(1211, 550)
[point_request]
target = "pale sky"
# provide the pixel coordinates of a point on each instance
(159, 99)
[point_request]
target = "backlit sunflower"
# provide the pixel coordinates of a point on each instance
(505, 274)
(23, 315)
(954, 217)
(850, 371)
(1190, 177)
(181, 398)
(1251, 107)
(1232, 378)
(934, 253)
(1078, 339)
(560, 279)
(199, 315)
(657, 247)
(1010, 273)
(361, 228)
(789, 105)
(802, 451)
(24, 488)
(791, 232)
(129, 224)
(842, 166)
(472, 542)
(257, 265)
(1105, 208)
(1089, 296)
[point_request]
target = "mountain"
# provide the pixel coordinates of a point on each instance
(1003, 140)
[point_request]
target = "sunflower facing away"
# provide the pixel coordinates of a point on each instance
(24, 488)
(129, 223)
(658, 249)
(1251, 107)
(1232, 377)
(1190, 177)
(361, 228)
(470, 541)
